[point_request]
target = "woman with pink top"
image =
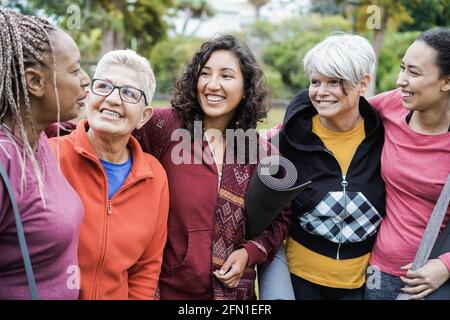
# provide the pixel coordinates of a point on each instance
(415, 163)
(40, 82)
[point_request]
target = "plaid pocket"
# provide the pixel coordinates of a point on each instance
(342, 217)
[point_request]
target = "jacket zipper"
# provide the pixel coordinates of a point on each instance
(109, 207)
(344, 184)
(103, 250)
(105, 235)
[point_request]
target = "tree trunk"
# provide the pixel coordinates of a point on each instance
(377, 45)
(113, 39)
(257, 12)
(187, 18)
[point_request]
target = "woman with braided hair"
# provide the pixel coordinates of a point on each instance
(40, 82)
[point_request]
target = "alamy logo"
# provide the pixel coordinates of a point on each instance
(74, 17)
(242, 147)
(73, 280)
(373, 280)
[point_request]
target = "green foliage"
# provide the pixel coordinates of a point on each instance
(274, 117)
(198, 8)
(279, 47)
(326, 7)
(427, 14)
(390, 58)
(287, 44)
(141, 20)
(168, 58)
(277, 88)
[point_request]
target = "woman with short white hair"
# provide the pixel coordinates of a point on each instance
(334, 138)
(124, 190)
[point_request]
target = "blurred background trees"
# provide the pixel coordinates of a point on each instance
(148, 27)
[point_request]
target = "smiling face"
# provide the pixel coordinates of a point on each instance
(109, 114)
(419, 78)
(329, 99)
(220, 88)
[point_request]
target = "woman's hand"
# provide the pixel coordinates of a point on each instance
(426, 279)
(233, 269)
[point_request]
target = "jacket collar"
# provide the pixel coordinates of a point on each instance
(297, 123)
(141, 168)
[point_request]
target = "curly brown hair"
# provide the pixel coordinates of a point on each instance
(250, 110)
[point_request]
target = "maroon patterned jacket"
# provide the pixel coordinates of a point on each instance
(206, 223)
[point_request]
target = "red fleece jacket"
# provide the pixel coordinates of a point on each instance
(122, 239)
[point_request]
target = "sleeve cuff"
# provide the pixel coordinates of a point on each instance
(255, 255)
(445, 258)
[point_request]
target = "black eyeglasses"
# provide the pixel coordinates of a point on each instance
(128, 94)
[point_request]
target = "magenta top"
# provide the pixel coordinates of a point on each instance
(414, 167)
(51, 228)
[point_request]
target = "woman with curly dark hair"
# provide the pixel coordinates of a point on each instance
(220, 94)
(248, 111)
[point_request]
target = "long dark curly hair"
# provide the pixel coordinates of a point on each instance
(250, 110)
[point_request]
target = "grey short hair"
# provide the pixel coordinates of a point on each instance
(134, 61)
(345, 56)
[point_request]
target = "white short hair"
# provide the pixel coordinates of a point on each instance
(132, 60)
(345, 56)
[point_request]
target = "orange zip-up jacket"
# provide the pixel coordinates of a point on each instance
(122, 239)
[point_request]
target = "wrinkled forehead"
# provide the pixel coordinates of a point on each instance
(121, 75)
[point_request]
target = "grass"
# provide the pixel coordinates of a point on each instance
(159, 103)
(274, 117)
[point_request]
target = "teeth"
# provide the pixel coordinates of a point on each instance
(327, 102)
(407, 94)
(111, 113)
(214, 98)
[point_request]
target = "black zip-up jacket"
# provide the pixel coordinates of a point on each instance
(336, 215)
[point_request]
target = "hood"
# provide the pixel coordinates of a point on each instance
(297, 123)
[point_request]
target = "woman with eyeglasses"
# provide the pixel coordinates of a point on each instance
(124, 191)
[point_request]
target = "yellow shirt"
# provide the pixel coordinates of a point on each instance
(342, 144)
(314, 267)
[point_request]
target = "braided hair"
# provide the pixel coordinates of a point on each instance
(24, 42)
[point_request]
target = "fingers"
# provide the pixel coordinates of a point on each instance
(407, 267)
(412, 282)
(232, 272)
(421, 295)
(415, 274)
(415, 290)
(231, 283)
(226, 266)
(230, 279)
(233, 268)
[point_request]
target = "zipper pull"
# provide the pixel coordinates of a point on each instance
(109, 207)
(344, 183)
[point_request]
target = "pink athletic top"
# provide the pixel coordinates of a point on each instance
(414, 167)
